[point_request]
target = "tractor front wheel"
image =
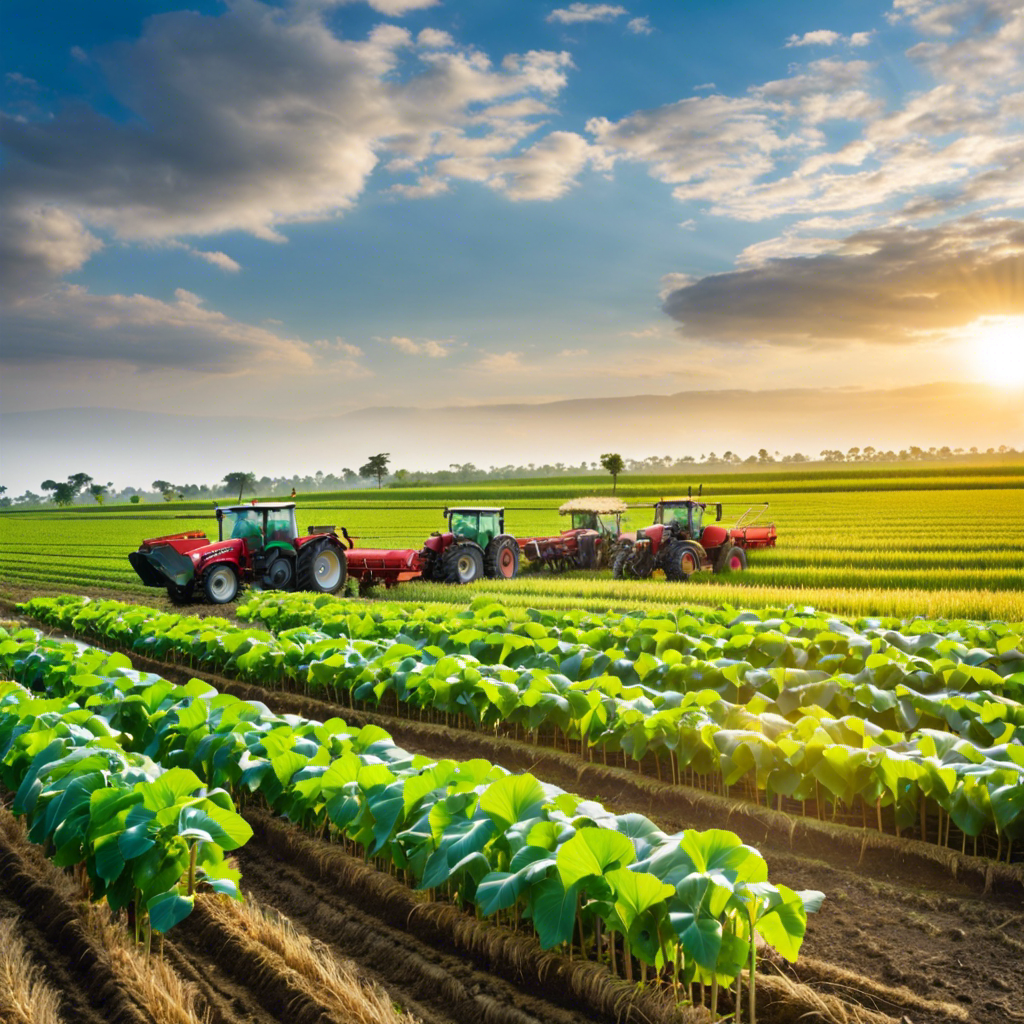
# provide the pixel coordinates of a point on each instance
(731, 559)
(680, 561)
(221, 584)
(462, 563)
(181, 595)
(321, 568)
(622, 555)
(501, 560)
(632, 563)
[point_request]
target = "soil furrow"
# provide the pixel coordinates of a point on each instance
(227, 1001)
(441, 985)
(54, 934)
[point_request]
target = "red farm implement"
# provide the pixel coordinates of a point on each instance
(680, 543)
(589, 541)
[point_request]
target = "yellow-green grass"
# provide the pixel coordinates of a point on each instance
(955, 551)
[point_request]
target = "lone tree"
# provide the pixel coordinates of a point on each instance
(64, 493)
(166, 488)
(377, 466)
(614, 464)
(99, 492)
(243, 481)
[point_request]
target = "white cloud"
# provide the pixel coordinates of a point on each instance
(296, 136)
(17, 78)
(820, 37)
(500, 363)
(705, 146)
(861, 38)
(396, 8)
(640, 26)
(434, 39)
(672, 282)
(577, 13)
(38, 245)
(426, 187)
(218, 259)
(338, 347)
(547, 170)
(422, 347)
(71, 323)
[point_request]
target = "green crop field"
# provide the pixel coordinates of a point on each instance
(879, 540)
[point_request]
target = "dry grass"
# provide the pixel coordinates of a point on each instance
(152, 986)
(336, 983)
(155, 986)
(25, 997)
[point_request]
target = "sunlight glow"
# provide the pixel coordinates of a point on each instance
(996, 348)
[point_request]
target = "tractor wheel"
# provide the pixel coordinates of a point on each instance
(181, 595)
(280, 573)
(462, 563)
(680, 561)
(221, 584)
(731, 559)
(619, 559)
(321, 568)
(631, 564)
(501, 559)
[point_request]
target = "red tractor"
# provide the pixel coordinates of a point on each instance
(587, 544)
(474, 545)
(680, 544)
(257, 543)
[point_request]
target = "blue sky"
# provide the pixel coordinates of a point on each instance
(404, 202)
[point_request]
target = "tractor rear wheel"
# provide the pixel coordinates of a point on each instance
(321, 568)
(181, 595)
(501, 559)
(731, 559)
(221, 584)
(680, 561)
(462, 563)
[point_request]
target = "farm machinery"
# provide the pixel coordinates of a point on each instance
(474, 545)
(587, 544)
(257, 543)
(680, 543)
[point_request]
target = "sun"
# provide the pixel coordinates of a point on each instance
(995, 346)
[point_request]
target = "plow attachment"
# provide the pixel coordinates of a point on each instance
(162, 566)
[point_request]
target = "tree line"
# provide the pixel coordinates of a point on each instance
(82, 488)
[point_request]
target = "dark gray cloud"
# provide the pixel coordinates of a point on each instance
(889, 285)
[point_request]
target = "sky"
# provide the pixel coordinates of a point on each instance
(309, 208)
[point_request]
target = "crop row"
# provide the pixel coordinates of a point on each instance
(781, 708)
(144, 836)
(687, 905)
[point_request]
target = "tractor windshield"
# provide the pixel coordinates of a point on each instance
(246, 524)
(584, 521)
(696, 520)
(464, 525)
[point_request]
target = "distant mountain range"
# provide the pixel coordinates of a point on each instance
(134, 448)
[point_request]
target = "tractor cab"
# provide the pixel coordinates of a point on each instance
(479, 525)
(685, 515)
(262, 526)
